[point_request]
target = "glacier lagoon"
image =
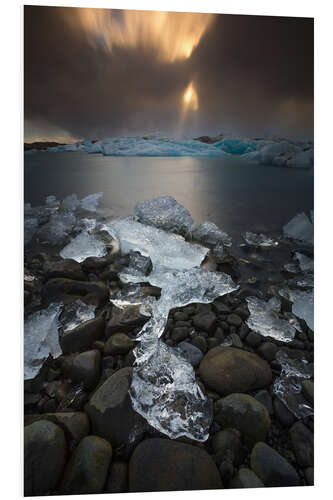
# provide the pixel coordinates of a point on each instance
(236, 194)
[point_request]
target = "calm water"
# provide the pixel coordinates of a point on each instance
(233, 193)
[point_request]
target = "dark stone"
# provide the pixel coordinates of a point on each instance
(87, 469)
(308, 390)
(244, 413)
(92, 292)
(234, 320)
(179, 334)
(246, 478)
(205, 321)
(243, 331)
(83, 336)
(272, 468)
(309, 476)
(66, 268)
(118, 343)
(220, 308)
(180, 316)
(227, 369)
(228, 440)
(265, 399)
(284, 416)
(193, 354)
(93, 264)
(200, 342)
(226, 469)
(212, 342)
(110, 409)
(45, 452)
(267, 350)
(117, 480)
(302, 443)
(165, 465)
(253, 339)
(236, 341)
(86, 368)
(124, 320)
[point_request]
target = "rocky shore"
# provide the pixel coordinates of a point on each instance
(82, 434)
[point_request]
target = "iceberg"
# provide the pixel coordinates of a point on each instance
(288, 387)
(165, 213)
(208, 233)
(41, 339)
(258, 240)
(264, 319)
(299, 228)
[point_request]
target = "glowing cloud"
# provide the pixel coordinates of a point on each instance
(190, 97)
(173, 35)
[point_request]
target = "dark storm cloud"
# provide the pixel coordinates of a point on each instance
(253, 75)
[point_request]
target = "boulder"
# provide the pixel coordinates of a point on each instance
(245, 413)
(246, 478)
(66, 268)
(308, 390)
(118, 343)
(228, 442)
(227, 369)
(124, 320)
(234, 320)
(86, 368)
(74, 424)
(193, 354)
(205, 321)
(66, 290)
(83, 336)
(272, 468)
(165, 465)
(117, 480)
(45, 452)
(87, 469)
(302, 443)
(110, 409)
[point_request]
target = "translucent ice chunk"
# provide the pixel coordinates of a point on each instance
(165, 213)
(91, 202)
(258, 240)
(291, 267)
(302, 304)
(58, 229)
(305, 262)
(209, 233)
(74, 314)
(306, 282)
(138, 264)
(84, 245)
(71, 202)
(164, 249)
(52, 201)
(41, 339)
(264, 319)
(288, 386)
(299, 228)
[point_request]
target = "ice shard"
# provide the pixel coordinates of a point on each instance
(304, 262)
(299, 228)
(57, 230)
(84, 245)
(165, 213)
(209, 233)
(302, 304)
(288, 386)
(265, 319)
(91, 202)
(71, 202)
(74, 314)
(41, 339)
(258, 240)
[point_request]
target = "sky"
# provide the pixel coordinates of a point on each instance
(96, 73)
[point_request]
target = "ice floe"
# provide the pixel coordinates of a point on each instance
(265, 319)
(288, 386)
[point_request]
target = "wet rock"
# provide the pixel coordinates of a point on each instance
(180, 316)
(124, 320)
(117, 480)
(234, 320)
(87, 469)
(220, 308)
(86, 368)
(236, 341)
(226, 469)
(193, 353)
(246, 478)
(267, 350)
(74, 424)
(165, 465)
(265, 399)
(118, 343)
(110, 409)
(253, 339)
(284, 416)
(272, 468)
(63, 289)
(302, 443)
(308, 390)
(244, 413)
(228, 440)
(200, 342)
(83, 336)
(309, 476)
(45, 452)
(226, 370)
(179, 334)
(93, 264)
(66, 268)
(205, 321)
(212, 342)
